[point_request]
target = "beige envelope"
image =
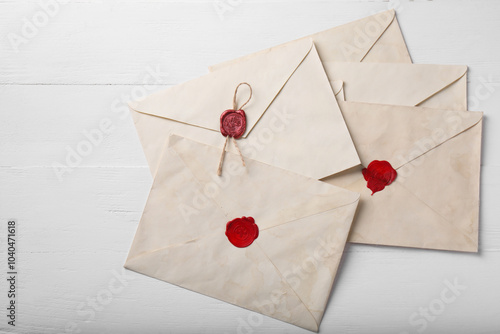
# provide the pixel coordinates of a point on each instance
(290, 125)
(286, 273)
(434, 201)
(376, 38)
(433, 86)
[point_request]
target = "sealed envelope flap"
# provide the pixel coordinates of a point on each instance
(372, 126)
(255, 189)
(181, 237)
(301, 128)
(433, 200)
(398, 84)
(199, 102)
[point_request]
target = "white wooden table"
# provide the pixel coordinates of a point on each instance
(66, 72)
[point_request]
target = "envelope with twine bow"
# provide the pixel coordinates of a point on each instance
(376, 38)
(292, 119)
(243, 238)
(420, 184)
(423, 85)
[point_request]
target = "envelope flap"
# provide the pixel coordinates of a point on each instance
(200, 102)
(401, 134)
(188, 200)
(181, 238)
(352, 41)
(270, 195)
(393, 83)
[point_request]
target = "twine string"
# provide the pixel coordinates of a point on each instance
(235, 106)
(221, 161)
(239, 152)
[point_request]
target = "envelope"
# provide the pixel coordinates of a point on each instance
(434, 201)
(286, 273)
(433, 86)
(376, 38)
(290, 125)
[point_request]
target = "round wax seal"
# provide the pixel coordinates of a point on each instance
(379, 174)
(241, 232)
(233, 123)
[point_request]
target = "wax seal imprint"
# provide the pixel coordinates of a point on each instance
(379, 174)
(233, 123)
(241, 232)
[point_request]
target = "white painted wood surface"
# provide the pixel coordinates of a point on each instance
(79, 67)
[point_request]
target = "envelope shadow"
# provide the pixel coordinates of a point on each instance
(481, 190)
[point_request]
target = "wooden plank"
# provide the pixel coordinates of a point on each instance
(95, 42)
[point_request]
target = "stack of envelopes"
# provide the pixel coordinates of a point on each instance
(325, 109)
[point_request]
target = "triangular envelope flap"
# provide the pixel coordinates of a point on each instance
(310, 265)
(390, 47)
(389, 83)
(352, 41)
(244, 277)
(400, 134)
(452, 97)
(349, 42)
(201, 101)
(272, 196)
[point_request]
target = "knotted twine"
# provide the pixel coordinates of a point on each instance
(233, 124)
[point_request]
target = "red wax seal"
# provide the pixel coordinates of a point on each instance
(241, 232)
(379, 174)
(233, 123)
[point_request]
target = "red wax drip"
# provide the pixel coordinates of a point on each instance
(241, 232)
(233, 123)
(379, 174)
